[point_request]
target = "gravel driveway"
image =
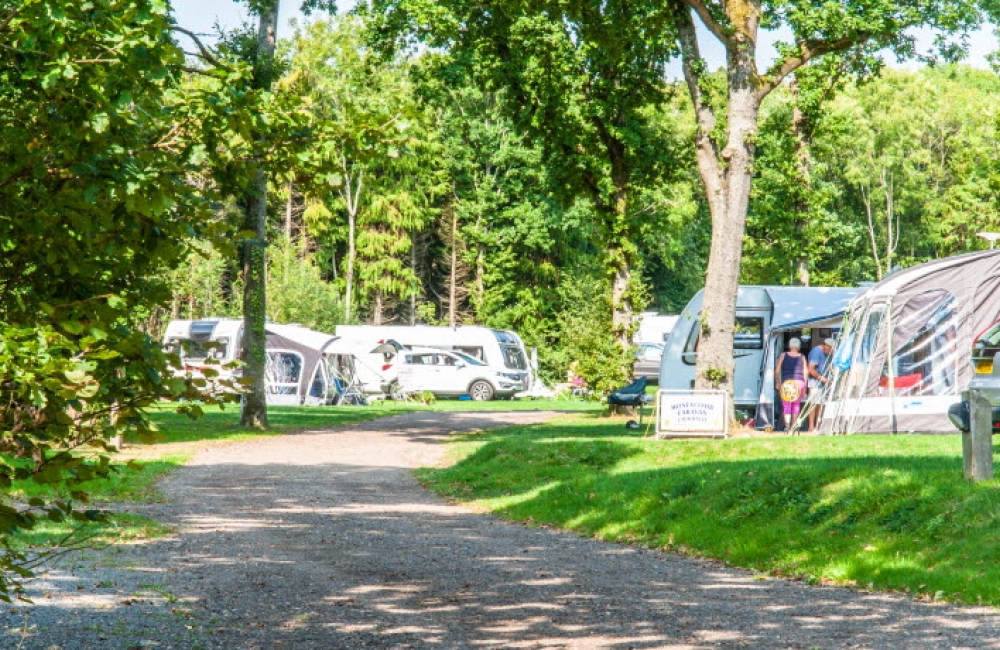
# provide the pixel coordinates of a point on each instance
(324, 540)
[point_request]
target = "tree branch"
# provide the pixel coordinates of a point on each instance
(206, 53)
(807, 52)
(11, 16)
(704, 115)
(713, 25)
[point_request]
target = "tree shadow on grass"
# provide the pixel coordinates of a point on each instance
(900, 521)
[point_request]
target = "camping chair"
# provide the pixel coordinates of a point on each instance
(351, 391)
(633, 395)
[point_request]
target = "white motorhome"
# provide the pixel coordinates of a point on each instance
(303, 366)
(500, 349)
(766, 318)
(653, 327)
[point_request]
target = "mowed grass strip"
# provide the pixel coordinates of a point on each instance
(885, 512)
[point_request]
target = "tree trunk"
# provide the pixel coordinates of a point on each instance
(254, 257)
(480, 281)
(413, 266)
(288, 214)
(351, 199)
(802, 134)
(726, 175)
(254, 408)
(349, 272)
(453, 271)
(621, 304)
(621, 250)
(378, 317)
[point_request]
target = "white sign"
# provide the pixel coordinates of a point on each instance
(683, 413)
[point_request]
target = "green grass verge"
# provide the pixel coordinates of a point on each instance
(890, 512)
(119, 528)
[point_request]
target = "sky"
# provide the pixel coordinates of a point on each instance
(200, 16)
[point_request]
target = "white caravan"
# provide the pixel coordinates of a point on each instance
(766, 318)
(500, 349)
(653, 327)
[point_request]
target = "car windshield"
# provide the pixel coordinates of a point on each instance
(990, 338)
(472, 361)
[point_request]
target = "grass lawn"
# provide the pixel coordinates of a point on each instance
(887, 512)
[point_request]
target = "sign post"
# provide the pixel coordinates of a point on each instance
(692, 414)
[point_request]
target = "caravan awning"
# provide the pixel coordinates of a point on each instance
(798, 307)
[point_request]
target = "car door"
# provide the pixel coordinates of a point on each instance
(452, 374)
(424, 372)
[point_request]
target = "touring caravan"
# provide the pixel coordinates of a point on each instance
(766, 317)
(303, 366)
(903, 357)
(500, 349)
(653, 327)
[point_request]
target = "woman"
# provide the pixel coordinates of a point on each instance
(791, 368)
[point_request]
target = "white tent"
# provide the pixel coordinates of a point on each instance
(903, 355)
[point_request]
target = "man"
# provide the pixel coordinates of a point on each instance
(818, 358)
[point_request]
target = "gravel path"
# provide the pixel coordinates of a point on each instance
(324, 540)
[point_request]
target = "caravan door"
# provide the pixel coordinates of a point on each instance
(748, 354)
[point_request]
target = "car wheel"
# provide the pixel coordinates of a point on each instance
(481, 391)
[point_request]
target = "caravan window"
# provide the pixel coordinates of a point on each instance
(748, 334)
(513, 358)
(283, 371)
(925, 352)
(475, 352)
(191, 350)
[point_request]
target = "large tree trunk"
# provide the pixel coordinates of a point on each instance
(254, 258)
(254, 408)
(621, 304)
(621, 250)
(803, 136)
(726, 175)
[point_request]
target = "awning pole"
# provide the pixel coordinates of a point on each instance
(892, 369)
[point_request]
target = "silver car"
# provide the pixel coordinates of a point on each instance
(985, 359)
(453, 374)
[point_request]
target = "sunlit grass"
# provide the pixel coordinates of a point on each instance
(119, 528)
(893, 512)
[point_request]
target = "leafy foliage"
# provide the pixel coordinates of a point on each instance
(99, 143)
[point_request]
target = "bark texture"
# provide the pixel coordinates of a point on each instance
(253, 412)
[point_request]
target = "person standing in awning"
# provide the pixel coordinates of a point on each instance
(819, 356)
(790, 380)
